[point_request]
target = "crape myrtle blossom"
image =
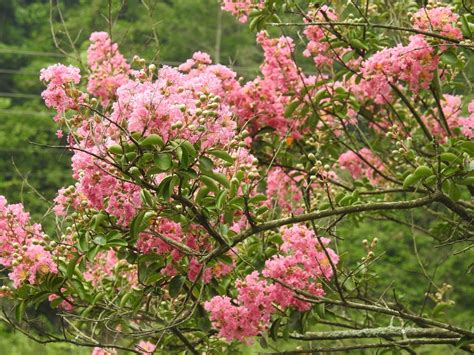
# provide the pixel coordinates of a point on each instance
(439, 19)
(22, 246)
(361, 164)
(302, 263)
(187, 97)
(109, 69)
(102, 351)
(60, 93)
(452, 110)
(146, 347)
(284, 190)
(263, 100)
(318, 46)
(413, 64)
(241, 8)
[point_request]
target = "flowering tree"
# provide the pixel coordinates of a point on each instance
(205, 209)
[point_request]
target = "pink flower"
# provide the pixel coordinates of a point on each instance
(452, 107)
(102, 351)
(59, 74)
(318, 46)
(362, 163)
(146, 347)
(20, 248)
(439, 19)
(109, 69)
(413, 64)
(58, 93)
(284, 190)
(241, 8)
(304, 262)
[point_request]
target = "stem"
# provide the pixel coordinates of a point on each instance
(378, 206)
(413, 111)
(374, 25)
(372, 346)
(379, 332)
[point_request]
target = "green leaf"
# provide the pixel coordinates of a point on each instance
(226, 259)
(92, 252)
(72, 266)
(220, 178)
(264, 340)
(439, 309)
(222, 155)
(465, 28)
(125, 298)
(274, 329)
(189, 148)
(357, 43)
(56, 302)
(100, 240)
(464, 341)
(257, 199)
(147, 197)
(291, 107)
(466, 181)
(175, 285)
(117, 243)
(202, 319)
(468, 147)
(449, 58)
(165, 189)
(135, 224)
(423, 172)
(115, 149)
(221, 199)
(79, 288)
(454, 192)
(153, 139)
(205, 164)
(163, 161)
(20, 311)
(321, 310)
(321, 94)
(410, 180)
(203, 192)
(448, 157)
(211, 185)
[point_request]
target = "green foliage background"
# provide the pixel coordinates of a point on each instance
(166, 31)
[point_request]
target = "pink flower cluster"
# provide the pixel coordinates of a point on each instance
(306, 260)
(150, 242)
(67, 302)
(198, 59)
(241, 8)
(22, 246)
(143, 347)
(452, 107)
(96, 181)
(362, 163)
(146, 347)
(59, 93)
(263, 100)
(439, 19)
(318, 46)
(104, 266)
(188, 100)
(285, 191)
(413, 64)
(109, 69)
(102, 351)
